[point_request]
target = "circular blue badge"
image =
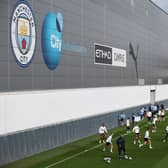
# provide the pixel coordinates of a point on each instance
(52, 39)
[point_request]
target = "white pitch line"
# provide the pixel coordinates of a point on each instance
(73, 156)
(82, 152)
(78, 154)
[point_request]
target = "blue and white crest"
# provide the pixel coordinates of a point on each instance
(23, 33)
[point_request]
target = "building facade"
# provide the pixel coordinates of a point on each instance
(66, 64)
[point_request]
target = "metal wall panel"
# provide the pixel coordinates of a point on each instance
(115, 23)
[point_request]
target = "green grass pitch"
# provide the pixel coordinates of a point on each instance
(87, 153)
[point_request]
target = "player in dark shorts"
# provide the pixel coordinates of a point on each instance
(121, 146)
(109, 143)
(166, 136)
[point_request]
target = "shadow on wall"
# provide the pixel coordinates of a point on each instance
(134, 56)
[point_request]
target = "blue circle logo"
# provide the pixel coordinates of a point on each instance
(52, 39)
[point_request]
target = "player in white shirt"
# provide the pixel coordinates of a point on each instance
(109, 143)
(166, 136)
(163, 115)
(159, 115)
(154, 120)
(149, 115)
(102, 133)
(136, 130)
(147, 139)
(128, 125)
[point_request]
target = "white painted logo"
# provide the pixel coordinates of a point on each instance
(23, 33)
(55, 42)
(119, 57)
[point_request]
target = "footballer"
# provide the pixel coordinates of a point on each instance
(166, 136)
(154, 120)
(128, 125)
(136, 130)
(109, 143)
(121, 147)
(102, 133)
(147, 139)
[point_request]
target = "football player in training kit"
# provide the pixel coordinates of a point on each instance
(102, 133)
(147, 139)
(121, 146)
(128, 125)
(166, 136)
(109, 143)
(137, 137)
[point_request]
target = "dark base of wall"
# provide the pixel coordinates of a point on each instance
(20, 145)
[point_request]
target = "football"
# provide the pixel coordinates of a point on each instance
(130, 158)
(126, 157)
(108, 161)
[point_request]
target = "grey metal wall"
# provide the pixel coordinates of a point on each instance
(23, 144)
(116, 23)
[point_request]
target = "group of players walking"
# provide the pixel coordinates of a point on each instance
(120, 141)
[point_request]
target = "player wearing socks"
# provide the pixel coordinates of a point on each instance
(147, 139)
(166, 136)
(154, 120)
(102, 133)
(136, 130)
(128, 125)
(109, 143)
(121, 147)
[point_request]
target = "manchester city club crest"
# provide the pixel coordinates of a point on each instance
(23, 33)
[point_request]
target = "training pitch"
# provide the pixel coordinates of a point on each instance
(87, 153)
